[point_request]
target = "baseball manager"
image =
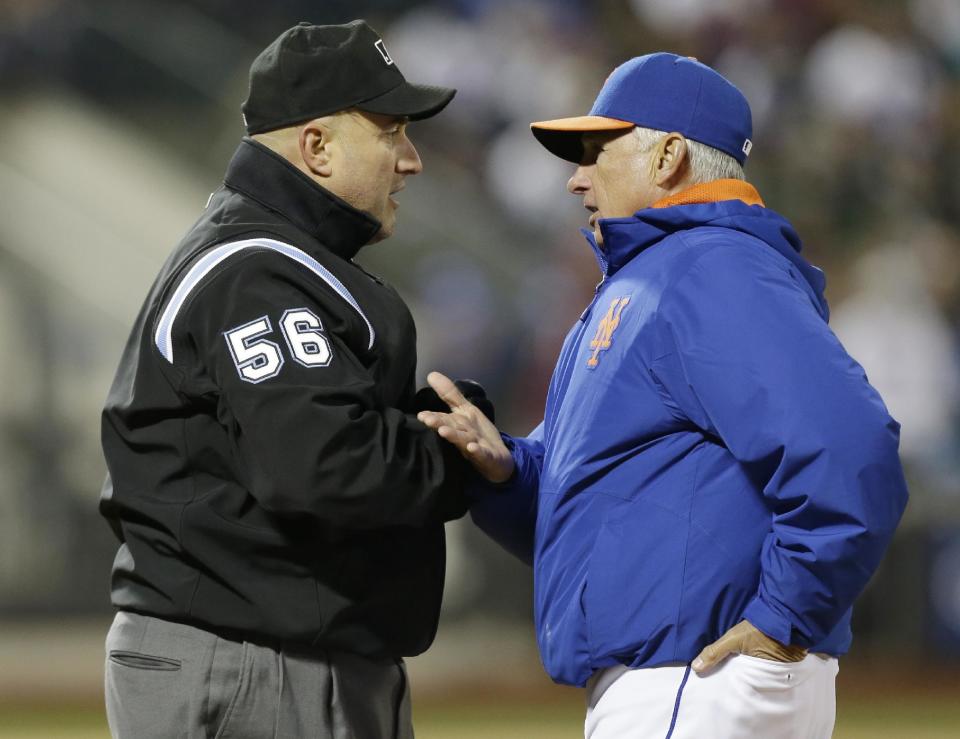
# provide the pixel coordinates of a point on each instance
(279, 507)
(714, 480)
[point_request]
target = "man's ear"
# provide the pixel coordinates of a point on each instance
(316, 149)
(670, 161)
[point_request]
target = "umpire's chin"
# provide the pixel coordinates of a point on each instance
(388, 222)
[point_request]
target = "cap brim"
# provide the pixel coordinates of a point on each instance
(561, 137)
(415, 102)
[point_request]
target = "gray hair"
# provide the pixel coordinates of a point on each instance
(706, 163)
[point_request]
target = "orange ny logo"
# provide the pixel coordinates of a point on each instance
(605, 330)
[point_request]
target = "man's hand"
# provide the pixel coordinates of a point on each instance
(469, 430)
(745, 638)
(427, 399)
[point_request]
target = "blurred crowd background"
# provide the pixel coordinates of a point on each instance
(118, 118)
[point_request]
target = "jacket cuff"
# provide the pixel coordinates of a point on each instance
(479, 486)
(769, 621)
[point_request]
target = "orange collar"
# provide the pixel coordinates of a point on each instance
(711, 192)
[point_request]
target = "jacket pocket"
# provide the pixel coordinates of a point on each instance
(634, 583)
(140, 661)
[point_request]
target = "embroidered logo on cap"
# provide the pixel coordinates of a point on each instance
(383, 51)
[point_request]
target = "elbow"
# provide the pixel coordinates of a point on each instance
(885, 499)
(868, 459)
(882, 479)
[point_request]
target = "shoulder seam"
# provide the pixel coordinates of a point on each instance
(688, 268)
(163, 336)
(706, 252)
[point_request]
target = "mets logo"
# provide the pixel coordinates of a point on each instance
(608, 324)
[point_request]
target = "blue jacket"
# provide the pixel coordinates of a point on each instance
(709, 452)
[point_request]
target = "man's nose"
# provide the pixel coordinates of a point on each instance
(580, 182)
(409, 160)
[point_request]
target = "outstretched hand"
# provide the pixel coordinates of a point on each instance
(469, 430)
(745, 638)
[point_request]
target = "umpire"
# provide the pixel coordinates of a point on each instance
(279, 507)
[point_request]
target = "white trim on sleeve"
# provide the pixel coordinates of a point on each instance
(164, 334)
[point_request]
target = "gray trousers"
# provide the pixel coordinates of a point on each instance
(165, 680)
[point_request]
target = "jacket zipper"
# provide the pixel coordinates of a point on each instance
(563, 376)
(596, 294)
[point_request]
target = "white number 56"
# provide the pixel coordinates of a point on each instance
(258, 359)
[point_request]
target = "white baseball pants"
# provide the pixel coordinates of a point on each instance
(744, 697)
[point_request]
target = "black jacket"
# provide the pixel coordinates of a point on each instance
(267, 477)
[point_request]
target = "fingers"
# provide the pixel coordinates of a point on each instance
(460, 438)
(458, 431)
(456, 422)
(709, 658)
(454, 428)
(714, 654)
(447, 391)
(431, 418)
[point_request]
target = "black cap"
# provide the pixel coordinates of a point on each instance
(312, 71)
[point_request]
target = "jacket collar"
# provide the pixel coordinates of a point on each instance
(712, 192)
(700, 204)
(277, 185)
(726, 204)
